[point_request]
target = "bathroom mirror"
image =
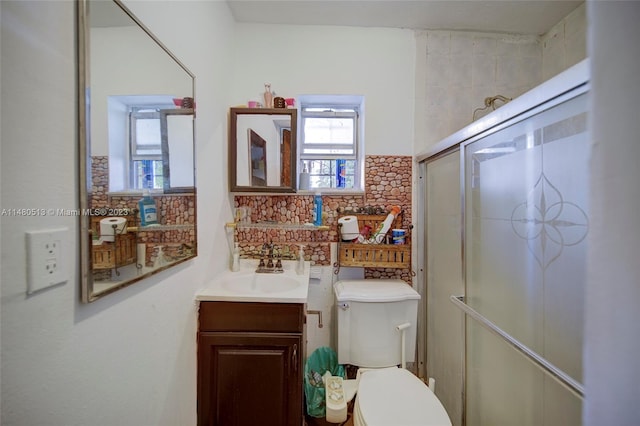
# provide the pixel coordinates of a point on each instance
(262, 149)
(136, 137)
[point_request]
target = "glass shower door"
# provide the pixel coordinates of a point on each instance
(526, 222)
(444, 331)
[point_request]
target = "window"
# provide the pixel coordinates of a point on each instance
(331, 141)
(146, 149)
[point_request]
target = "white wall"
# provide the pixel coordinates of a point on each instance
(376, 63)
(611, 369)
(130, 358)
(565, 44)
(126, 62)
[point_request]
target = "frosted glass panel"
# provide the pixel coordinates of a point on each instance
(505, 389)
(526, 222)
(445, 337)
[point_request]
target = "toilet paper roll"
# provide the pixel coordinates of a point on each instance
(107, 231)
(349, 229)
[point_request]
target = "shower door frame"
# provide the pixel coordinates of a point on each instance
(565, 86)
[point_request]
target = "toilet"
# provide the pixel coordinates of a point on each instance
(376, 331)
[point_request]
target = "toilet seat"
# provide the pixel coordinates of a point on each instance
(394, 396)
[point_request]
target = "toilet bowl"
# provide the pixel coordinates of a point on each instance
(395, 397)
(376, 324)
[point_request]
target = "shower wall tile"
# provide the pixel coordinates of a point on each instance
(575, 48)
(484, 45)
(531, 70)
(486, 65)
(437, 99)
(459, 115)
(461, 44)
(554, 39)
(438, 42)
(438, 67)
(460, 73)
(565, 44)
(507, 71)
(437, 124)
(530, 49)
(506, 46)
(553, 59)
(484, 70)
(576, 22)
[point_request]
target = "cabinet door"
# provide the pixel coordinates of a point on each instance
(249, 379)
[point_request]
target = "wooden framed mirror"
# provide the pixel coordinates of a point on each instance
(262, 149)
(136, 137)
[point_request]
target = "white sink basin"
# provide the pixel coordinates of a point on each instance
(261, 283)
(248, 286)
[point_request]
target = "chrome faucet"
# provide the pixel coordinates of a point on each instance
(270, 252)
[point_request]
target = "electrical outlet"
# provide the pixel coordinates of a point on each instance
(45, 264)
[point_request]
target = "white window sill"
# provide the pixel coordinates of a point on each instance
(138, 193)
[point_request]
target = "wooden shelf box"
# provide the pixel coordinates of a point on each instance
(110, 255)
(376, 255)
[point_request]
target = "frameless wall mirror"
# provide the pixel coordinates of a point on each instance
(136, 145)
(262, 150)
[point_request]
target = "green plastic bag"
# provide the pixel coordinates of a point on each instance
(321, 360)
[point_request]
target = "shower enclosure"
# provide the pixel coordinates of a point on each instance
(505, 222)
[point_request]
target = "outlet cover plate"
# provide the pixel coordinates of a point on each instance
(46, 260)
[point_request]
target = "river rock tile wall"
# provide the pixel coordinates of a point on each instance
(388, 181)
(99, 180)
(173, 209)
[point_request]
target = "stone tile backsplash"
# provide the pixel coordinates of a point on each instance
(173, 209)
(388, 182)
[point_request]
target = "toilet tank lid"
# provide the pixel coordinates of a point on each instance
(374, 291)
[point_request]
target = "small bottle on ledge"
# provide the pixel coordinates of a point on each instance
(268, 96)
(235, 263)
(300, 264)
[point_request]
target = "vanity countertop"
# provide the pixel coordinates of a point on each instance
(248, 286)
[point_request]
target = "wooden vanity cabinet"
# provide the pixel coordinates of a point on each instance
(250, 364)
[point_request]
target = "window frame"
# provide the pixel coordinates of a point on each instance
(335, 106)
(135, 114)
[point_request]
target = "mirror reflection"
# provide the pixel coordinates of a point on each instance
(262, 150)
(258, 156)
(137, 151)
(176, 130)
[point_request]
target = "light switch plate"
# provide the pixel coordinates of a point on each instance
(46, 260)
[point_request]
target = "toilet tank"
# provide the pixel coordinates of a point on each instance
(367, 314)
